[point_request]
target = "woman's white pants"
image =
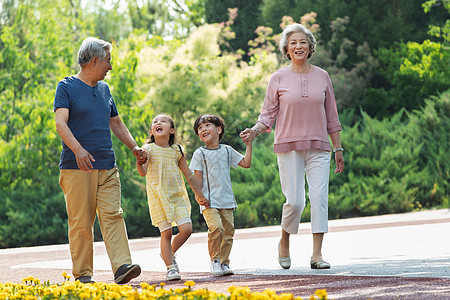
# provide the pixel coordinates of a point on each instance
(292, 167)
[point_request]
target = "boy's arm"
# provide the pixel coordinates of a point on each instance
(246, 162)
(194, 183)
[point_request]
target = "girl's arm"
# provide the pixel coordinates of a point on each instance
(142, 168)
(194, 182)
(247, 160)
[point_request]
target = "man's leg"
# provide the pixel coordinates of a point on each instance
(80, 189)
(111, 222)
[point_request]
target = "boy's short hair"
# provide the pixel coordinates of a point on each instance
(214, 119)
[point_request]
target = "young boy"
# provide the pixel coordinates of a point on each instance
(211, 164)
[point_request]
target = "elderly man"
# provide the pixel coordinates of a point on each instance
(85, 114)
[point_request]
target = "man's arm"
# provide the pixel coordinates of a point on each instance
(123, 134)
(83, 157)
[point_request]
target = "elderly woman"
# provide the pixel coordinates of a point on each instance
(300, 98)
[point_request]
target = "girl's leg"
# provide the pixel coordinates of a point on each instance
(185, 231)
(166, 247)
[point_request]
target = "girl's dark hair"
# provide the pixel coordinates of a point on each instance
(172, 138)
(216, 120)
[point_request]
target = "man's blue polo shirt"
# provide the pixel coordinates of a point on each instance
(90, 109)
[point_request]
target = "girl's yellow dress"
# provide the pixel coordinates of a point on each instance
(167, 196)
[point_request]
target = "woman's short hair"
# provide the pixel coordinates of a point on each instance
(214, 119)
(288, 30)
(93, 47)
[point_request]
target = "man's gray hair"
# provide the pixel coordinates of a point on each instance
(93, 47)
(288, 30)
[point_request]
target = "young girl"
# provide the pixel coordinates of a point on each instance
(167, 197)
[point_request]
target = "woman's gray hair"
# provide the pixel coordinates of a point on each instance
(93, 47)
(288, 30)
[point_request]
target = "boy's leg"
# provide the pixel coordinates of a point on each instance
(110, 218)
(215, 232)
(80, 189)
(227, 240)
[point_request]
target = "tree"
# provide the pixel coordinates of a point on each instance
(380, 23)
(166, 18)
(30, 67)
(244, 25)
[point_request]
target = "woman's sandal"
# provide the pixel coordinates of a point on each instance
(285, 262)
(319, 264)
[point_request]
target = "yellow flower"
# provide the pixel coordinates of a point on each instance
(189, 283)
(271, 293)
(321, 293)
(258, 296)
(286, 296)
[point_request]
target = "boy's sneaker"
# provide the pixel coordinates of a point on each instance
(226, 270)
(216, 268)
(172, 274)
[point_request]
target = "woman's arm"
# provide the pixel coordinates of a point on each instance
(338, 155)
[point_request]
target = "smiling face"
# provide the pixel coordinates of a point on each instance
(162, 128)
(298, 46)
(102, 67)
(209, 133)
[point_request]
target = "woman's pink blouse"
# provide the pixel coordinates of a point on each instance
(304, 108)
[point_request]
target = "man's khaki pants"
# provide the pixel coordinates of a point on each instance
(220, 233)
(87, 193)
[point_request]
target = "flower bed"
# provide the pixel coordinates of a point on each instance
(32, 289)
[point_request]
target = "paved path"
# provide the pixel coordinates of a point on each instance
(402, 256)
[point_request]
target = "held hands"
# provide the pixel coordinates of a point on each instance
(202, 200)
(247, 136)
(140, 154)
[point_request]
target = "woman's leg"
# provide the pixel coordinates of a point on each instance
(317, 246)
(284, 244)
(291, 166)
(317, 173)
